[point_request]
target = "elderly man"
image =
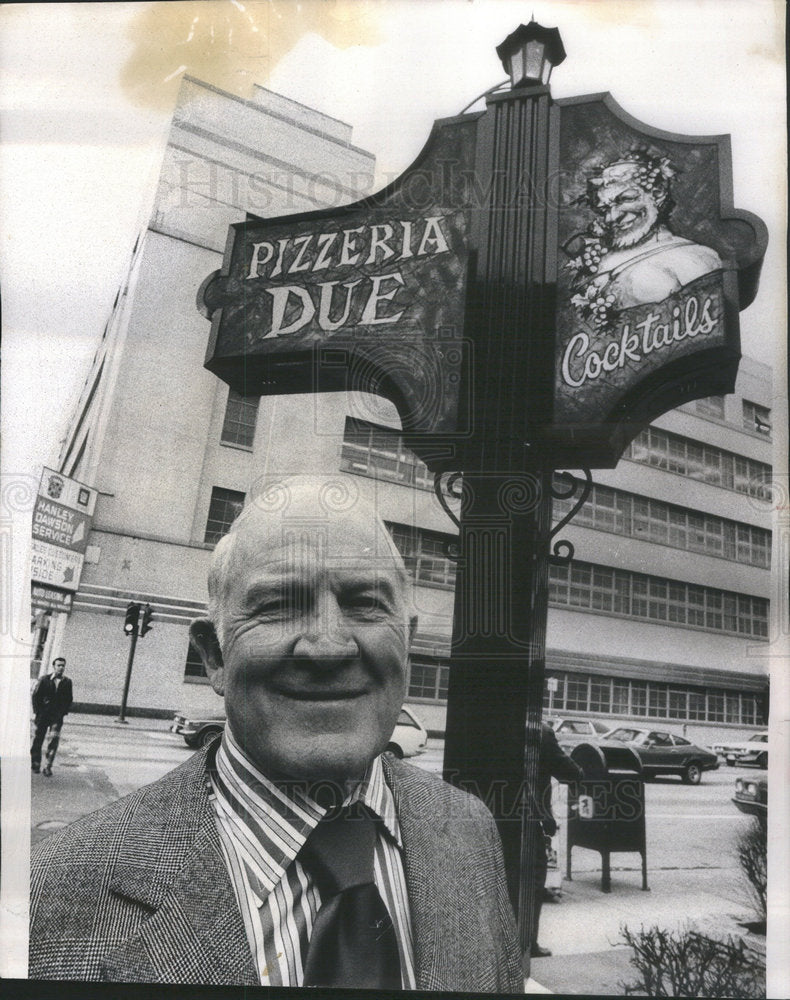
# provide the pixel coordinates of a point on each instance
(292, 852)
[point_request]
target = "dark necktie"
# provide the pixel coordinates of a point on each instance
(353, 942)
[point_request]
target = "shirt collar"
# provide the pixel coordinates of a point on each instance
(270, 823)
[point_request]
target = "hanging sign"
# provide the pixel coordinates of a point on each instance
(542, 290)
(44, 598)
(62, 517)
(654, 265)
(369, 297)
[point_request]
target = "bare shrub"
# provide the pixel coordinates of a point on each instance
(686, 964)
(752, 850)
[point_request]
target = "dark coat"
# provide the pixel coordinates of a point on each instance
(553, 762)
(139, 891)
(51, 703)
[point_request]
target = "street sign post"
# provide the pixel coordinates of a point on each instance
(62, 517)
(545, 279)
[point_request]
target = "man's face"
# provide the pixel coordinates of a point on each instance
(58, 667)
(629, 212)
(314, 640)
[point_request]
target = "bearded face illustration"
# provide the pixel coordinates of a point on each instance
(629, 255)
(629, 212)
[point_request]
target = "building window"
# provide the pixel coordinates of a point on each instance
(652, 598)
(241, 414)
(711, 406)
(701, 462)
(657, 701)
(379, 452)
(600, 694)
(622, 513)
(225, 507)
(194, 671)
(619, 696)
(757, 418)
(423, 553)
(429, 680)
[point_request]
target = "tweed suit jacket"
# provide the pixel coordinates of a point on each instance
(139, 891)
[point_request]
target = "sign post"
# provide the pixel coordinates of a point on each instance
(545, 279)
(552, 685)
(62, 517)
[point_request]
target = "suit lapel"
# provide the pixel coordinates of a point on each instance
(452, 945)
(195, 933)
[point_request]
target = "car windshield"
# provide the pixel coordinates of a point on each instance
(625, 735)
(572, 727)
(759, 738)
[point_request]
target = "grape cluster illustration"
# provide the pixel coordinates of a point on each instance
(596, 306)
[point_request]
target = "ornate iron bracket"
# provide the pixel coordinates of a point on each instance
(451, 487)
(563, 550)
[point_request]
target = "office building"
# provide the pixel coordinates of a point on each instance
(662, 614)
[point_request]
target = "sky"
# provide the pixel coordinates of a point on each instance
(87, 90)
(86, 95)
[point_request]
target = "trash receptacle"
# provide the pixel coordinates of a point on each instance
(606, 811)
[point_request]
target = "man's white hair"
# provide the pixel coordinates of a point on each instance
(332, 495)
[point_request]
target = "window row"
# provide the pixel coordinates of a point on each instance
(702, 462)
(370, 450)
(652, 598)
(653, 700)
(653, 520)
(613, 696)
(424, 555)
(756, 418)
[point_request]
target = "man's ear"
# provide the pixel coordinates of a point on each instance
(204, 639)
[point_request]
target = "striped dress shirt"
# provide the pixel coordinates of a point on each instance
(262, 828)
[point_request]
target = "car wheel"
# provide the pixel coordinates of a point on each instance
(395, 749)
(693, 774)
(206, 736)
(762, 760)
(191, 741)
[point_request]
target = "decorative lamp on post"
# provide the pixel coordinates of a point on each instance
(530, 53)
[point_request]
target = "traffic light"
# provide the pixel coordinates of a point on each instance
(146, 625)
(132, 617)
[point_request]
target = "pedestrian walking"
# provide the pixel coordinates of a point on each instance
(52, 698)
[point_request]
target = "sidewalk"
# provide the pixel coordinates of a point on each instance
(583, 930)
(107, 721)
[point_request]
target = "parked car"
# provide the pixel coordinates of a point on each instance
(572, 731)
(758, 757)
(733, 750)
(197, 732)
(409, 737)
(664, 753)
(751, 795)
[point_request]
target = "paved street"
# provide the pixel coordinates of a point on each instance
(99, 760)
(691, 835)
